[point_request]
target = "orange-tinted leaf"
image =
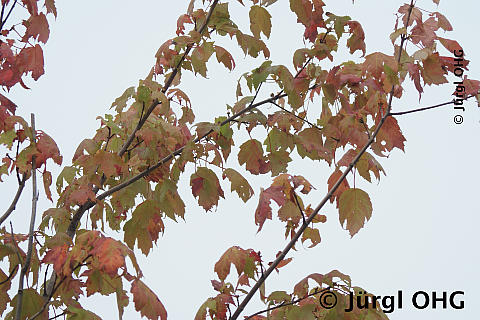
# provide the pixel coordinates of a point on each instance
(341, 188)
(147, 302)
(109, 255)
(47, 182)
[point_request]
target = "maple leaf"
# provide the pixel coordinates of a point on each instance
(341, 188)
(424, 32)
(81, 195)
(313, 235)
(260, 21)
(184, 18)
(264, 211)
(301, 288)
(375, 62)
(251, 154)
(50, 4)
(137, 228)
(47, 182)
(414, 73)
(31, 6)
(240, 258)
(432, 71)
(31, 59)
(354, 207)
(8, 104)
(109, 255)
(390, 136)
(37, 27)
(32, 303)
(224, 57)
(450, 45)
(48, 149)
(147, 302)
(238, 184)
(206, 187)
(357, 39)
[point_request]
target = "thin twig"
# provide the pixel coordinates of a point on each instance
(10, 275)
(296, 116)
(8, 15)
(298, 205)
(426, 108)
(168, 83)
(12, 207)
(55, 287)
(302, 228)
(28, 258)
(284, 304)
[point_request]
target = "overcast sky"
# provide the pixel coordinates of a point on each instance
(423, 232)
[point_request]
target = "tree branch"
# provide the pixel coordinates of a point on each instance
(12, 207)
(168, 83)
(426, 108)
(302, 228)
(284, 304)
(8, 15)
(28, 258)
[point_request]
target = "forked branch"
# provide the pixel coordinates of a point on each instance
(302, 228)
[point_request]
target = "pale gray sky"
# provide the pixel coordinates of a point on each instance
(423, 233)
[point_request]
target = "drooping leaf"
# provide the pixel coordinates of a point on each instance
(354, 208)
(238, 184)
(206, 187)
(260, 21)
(147, 302)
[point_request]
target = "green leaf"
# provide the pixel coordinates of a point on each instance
(260, 21)
(238, 184)
(355, 208)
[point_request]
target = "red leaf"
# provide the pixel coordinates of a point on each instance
(184, 18)
(31, 59)
(37, 27)
(264, 211)
(7, 103)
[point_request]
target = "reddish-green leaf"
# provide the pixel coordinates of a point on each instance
(354, 208)
(206, 187)
(147, 302)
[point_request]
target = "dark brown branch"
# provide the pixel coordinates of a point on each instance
(8, 15)
(12, 207)
(284, 304)
(168, 83)
(28, 258)
(426, 108)
(302, 228)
